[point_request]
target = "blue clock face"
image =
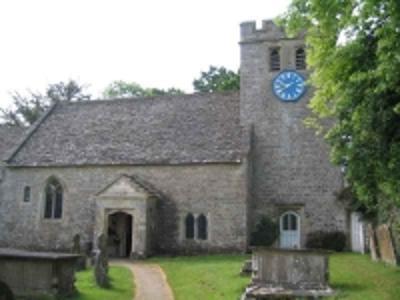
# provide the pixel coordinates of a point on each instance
(289, 86)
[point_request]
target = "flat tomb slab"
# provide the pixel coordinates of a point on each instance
(296, 269)
(17, 253)
(38, 273)
(288, 273)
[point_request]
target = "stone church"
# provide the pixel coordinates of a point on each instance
(176, 174)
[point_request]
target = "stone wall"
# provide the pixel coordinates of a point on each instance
(216, 190)
(291, 169)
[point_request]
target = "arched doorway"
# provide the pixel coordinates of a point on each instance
(289, 230)
(119, 234)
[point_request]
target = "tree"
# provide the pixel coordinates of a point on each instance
(26, 109)
(217, 79)
(265, 233)
(354, 51)
(70, 91)
(123, 89)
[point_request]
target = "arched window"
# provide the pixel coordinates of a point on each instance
(53, 199)
(189, 226)
(27, 194)
(274, 60)
(202, 227)
(300, 59)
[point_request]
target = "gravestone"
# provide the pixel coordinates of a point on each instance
(101, 262)
(372, 243)
(385, 244)
(88, 252)
(76, 249)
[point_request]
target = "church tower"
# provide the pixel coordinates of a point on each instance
(292, 178)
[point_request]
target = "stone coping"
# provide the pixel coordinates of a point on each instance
(260, 291)
(24, 254)
(291, 250)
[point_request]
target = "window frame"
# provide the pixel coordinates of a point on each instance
(300, 63)
(275, 59)
(190, 217)
(202, 232)
(53, 199)
(284, 232)
(27, 194)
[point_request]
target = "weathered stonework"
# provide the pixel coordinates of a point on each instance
(229, 158)
(291, 168)
(216, 190)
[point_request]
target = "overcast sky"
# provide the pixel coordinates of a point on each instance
(156, 43)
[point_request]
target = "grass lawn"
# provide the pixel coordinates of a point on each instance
(214, 277)
(354, 276)
(121, 286)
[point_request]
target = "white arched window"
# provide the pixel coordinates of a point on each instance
(289, 230)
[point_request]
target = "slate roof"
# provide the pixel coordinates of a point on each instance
(10, 136)
(198, 128)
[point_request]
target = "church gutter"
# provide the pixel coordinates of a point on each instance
(231, 162)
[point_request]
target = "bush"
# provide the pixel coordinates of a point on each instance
(266, 232)
(334, 240)
(5, 292)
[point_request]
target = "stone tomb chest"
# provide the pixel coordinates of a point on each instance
(288, 273)
(38, 273)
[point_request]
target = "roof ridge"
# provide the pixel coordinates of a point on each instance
(146, 98)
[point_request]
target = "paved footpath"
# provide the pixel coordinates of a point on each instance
(150, 280)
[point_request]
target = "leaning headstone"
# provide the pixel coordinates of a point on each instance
(385, 244)
(372, 243)
(5, 292)
(101, 262)
(76, 249)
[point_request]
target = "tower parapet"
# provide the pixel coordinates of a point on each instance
(269, 31)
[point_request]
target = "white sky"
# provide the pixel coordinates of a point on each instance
(152, 42)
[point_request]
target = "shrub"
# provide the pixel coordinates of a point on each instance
(266, 232)
(333, 240)
(5, 292)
